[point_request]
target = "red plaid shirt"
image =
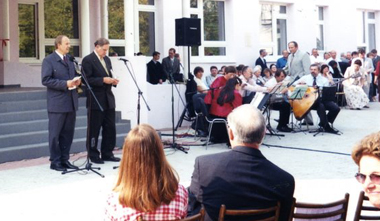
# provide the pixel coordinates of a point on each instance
(177, 209)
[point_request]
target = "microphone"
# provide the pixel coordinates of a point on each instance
(123, 59)
(72, 59)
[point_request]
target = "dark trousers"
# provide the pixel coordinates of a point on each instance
(284, 108)
(61, 134)
(321, 108)
(106, 121)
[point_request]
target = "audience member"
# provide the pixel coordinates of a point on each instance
(257, 78)
(147, 186)
(343, 57)
(239, 69)
(201, 87)
(210, 78)
(281, 62)
(366, 155)
(314, 57)
(249, 86)
(355, 96)
(261, 60)
(155, 73)
(325, 72)
(241, 178)
(267, 75)
(273, 69)
(170, 65)
(326, 57)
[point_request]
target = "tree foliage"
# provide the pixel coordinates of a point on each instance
(116, 19)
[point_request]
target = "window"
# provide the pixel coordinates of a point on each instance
(368, 30)
(146, 2)
(146, 32)
(116, 29)
(27, 17)
(273, 28)
(319, 29)
(67, 23)
(213, 36)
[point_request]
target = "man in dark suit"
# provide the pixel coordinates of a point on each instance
(261, 60)
(170, 64)
(241, 178)
(155, 73)
(57, 75)
(98, 69)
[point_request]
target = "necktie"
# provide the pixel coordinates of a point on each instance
(104, 65)
(314, 81)
(291, 60)
(65, 59)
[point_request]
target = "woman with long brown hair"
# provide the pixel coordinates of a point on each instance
(147, 185)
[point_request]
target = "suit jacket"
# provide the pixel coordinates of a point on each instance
(95, 73)
(261, 63)
(299, 65)
(169, 68)
(241, 179)
(54, 74)
(154, 72)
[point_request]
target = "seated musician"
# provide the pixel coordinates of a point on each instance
(249, 86)
(315, 79)
(224, 101)
(219, 82)
(282, 106)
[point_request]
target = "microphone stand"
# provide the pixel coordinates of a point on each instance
(139, 92)
(174, 144)
(88, 165)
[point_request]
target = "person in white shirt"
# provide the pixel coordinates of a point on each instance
(201, 87)
(210, 78)
(314, 57)
(316, 80)
(279, 90)
(249, 85)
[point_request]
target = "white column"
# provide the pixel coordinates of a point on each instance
(85, 27)
(185, 57)
(129, 10)
(5, 19)
(104, 18)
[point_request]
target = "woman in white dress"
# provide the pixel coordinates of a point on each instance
(353, 86)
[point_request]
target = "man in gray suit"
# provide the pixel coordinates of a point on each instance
(170, 64)
(62, 102)
(298, 62)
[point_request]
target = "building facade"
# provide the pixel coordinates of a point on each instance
(232, 31)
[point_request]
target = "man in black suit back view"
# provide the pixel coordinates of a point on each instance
(241, 178)
(155, 73)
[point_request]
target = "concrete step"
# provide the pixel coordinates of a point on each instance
(32, 151)
(34, 125)
(31, 115)
(23, 95)
(17, 106)
(20, 139)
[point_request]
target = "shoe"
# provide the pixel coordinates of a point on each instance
(97, 160)
(201, 133)
(366, 106)
(358, 108)
(285, 129)
(113, 159)
(310, 124)
(68, 165)
(328, 129)
(57, 167)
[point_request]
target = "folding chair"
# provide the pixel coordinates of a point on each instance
(322, 212)
(197, 217)
(273, 212)
(365, 211)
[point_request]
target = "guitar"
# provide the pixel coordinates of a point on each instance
(302, 106)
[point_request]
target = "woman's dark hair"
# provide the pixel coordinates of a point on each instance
(197, 70)
(278, 72)
(227, 93)
(358, 62)
(230, 69)
(270, 67)
(323, 67)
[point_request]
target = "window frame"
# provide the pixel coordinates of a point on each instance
(144, 8)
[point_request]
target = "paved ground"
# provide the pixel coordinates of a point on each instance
(321, 165)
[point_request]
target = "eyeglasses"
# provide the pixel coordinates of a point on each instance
(373, 177)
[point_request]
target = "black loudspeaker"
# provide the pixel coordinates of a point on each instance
(188, 32)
